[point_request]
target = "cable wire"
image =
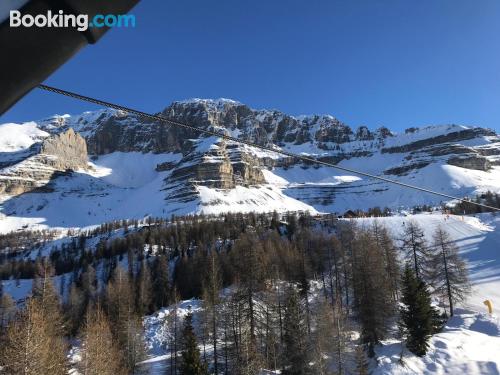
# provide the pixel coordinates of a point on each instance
(252, 144)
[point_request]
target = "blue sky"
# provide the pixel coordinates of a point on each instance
(376, 62)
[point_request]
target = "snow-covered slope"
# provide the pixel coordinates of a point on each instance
(469, 344)
(478, 238)
(139, 168)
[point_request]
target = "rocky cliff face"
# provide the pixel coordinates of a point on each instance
(416, 156)
(54, 156)
(109, 131)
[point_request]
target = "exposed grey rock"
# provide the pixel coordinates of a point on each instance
(53, 157)
(450, 137)
(68, 148)
(470, 162)
(404, 169)
(224, 165)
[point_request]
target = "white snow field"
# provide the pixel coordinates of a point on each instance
(127, 184)
(469, 345)
(470, 342)
(478, 238)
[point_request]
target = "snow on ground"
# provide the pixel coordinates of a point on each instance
(321, 175)
(19, 289)
(157, 333)
(331, 190)
(248, 199)
(13, 223)
(119, 186)
(469, 344)
(17, 137)
(126, 185)
(130, 169)
(470, 341)
(423, 133)
(478, 238)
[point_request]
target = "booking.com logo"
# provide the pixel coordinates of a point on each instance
(80, 22)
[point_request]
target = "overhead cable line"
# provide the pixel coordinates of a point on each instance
(252, 144)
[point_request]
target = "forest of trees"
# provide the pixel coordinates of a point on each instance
(465, 208)
(278, 293)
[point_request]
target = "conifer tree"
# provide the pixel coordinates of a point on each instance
(417, 314)
(387, 248)
(33, 344)
(250, 262)
(372, 292)
(7, 310)
(296, 352)
(191, 359)
(172, 321)
(361, 362)
(45, 293)
(126, 324)
(347, 233)
(161, 282)
(330, 338)
(100, 354)
(415, 248)
(145, 290)
(89, 284)
(211, 300)
(448, 272)
(75, 308)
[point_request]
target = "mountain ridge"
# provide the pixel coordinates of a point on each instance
(192, 173)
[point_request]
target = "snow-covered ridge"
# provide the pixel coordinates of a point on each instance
(171, 170)
(16, 137)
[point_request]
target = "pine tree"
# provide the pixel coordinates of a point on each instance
(126, 324)
(417, 314)
(75, 308)
(89, 285)
(347, 234)
(415, 248)
(361, 362)
(191, 359)
(448, 273)
(214, 284)
(387, 248)
(7, 310)
(250, 262)
(145, 290)
(161, 282)
(330, 338)
(372, 293)
(100, 354)
(296, 352)
(32, 344)
(172, 321)
(44, 292)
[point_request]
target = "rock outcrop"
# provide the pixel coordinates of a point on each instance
(54, 156)
(470, 162)
(211, 162)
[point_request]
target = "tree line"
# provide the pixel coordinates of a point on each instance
(277, 294)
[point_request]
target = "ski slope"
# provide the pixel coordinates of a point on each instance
(470, 341)
(478, 239)
(469, 344)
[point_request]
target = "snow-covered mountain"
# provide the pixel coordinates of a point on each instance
(137, 168)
